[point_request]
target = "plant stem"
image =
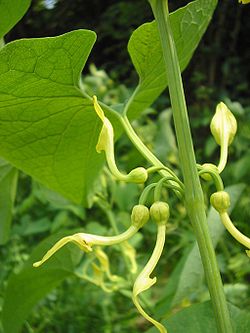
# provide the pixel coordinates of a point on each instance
(149, 156)
(193, 192)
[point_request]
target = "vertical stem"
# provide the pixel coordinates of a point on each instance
(193, 193)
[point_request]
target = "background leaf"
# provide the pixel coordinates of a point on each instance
(8, 183)
(188, 24)
(27, 287)
(48, 128)
(199, 318)
(10, 13)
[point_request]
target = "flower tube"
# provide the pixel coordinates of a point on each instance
(106, 143)
(159, 212)
(139, 217)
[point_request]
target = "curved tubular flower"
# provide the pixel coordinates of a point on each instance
(139, 216)
(86, 241)
(241, 238)
(144, 282)
(223, 127)
(77, 239)
(106, 143)
(221, 202)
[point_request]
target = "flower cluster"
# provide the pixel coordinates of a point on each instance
(223, 127)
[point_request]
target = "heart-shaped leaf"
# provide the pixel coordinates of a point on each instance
(48, 127)
(10, 13)
(8, 182)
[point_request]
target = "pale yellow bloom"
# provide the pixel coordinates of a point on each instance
(106, 143)
(144, 281)
(86, 241)
(244, 1)
(221, 202)
(223, 127)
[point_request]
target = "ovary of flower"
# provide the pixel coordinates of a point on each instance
(86, 241)
(144, 282)
(106, 143)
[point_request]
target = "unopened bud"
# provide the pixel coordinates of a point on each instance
(209, 166)
(220, 201)
(139, 216)
(159, 212)
(138, 175)
(223, 125)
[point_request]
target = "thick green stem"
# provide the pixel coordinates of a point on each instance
(193, 192)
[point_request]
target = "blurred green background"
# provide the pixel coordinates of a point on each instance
(218, 71)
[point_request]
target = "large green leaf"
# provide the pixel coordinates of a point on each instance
(11, 11)
(189, 275)
(27, 287)
(8, 182)
(188, 24)
(199, 318)
(48, 128)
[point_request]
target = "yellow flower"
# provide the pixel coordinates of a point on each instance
(78, 239)
(244, 1)
(85, 242)
(143, 282)
(106, 143)
(223, 127)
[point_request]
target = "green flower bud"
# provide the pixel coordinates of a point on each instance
(223, 125)
(139, 216)
(138, 175)
(209, 166)
(220, 201)
(159, 212)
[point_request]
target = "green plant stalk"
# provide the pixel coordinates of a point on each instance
(193, 191)
(149, 156)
